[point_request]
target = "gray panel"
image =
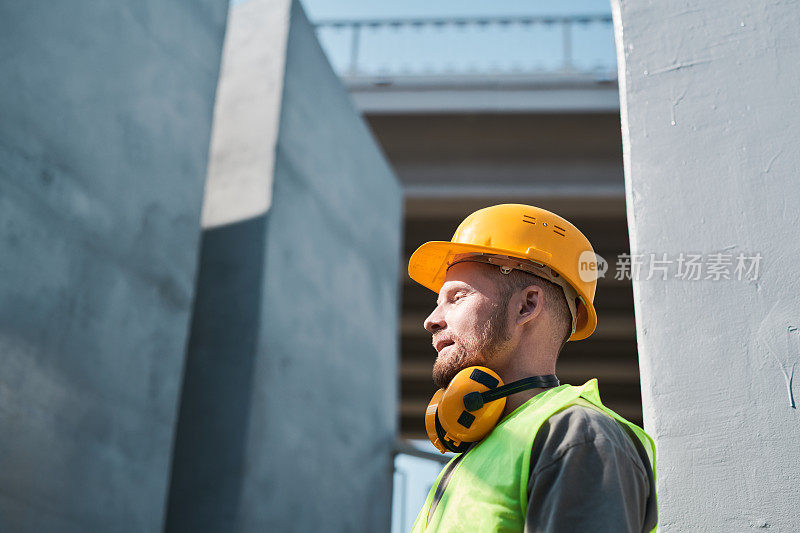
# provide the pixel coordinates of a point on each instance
(211, 439)
(297, 331)
(105, 119)
(709, 120)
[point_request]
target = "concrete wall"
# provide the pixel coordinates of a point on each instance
(288, 414)
(105, 117)
(709, 95)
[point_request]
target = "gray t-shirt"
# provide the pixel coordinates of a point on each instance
(587, 474)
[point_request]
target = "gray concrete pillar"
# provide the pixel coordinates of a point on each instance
(709, 95)
(289, 408)
(105, 119)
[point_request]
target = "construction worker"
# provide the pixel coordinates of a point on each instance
(514, 284)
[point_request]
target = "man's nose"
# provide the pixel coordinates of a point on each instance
(435, 321)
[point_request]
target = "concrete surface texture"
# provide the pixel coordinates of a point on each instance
(288, 415)
(709, 113)
(105, 121)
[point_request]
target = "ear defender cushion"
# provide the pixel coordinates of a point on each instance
(431, 414)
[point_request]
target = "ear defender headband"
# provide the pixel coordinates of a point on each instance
(469, 408)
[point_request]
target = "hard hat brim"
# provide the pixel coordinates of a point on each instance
(429, 263)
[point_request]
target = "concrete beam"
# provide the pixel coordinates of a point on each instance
(567, 93)
(432, 202)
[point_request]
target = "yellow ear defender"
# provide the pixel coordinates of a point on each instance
(469, 408)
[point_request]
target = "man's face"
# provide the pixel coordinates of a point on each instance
(469, 325)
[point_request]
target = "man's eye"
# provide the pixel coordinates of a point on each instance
(457, 296)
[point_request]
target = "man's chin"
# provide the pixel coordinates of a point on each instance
(445, 371)
(442, 374)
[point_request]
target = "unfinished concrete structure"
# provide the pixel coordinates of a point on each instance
(288, 400)
(105, 120)
(709, 113)
(288, 415)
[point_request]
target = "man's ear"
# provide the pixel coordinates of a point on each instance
(530, 304)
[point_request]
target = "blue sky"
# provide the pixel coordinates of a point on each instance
(473, 49)
(464, 50)
(322, 9)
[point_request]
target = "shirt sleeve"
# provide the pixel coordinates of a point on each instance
(587, 474)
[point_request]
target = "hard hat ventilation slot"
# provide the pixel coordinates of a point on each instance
(559, 233)
(529, 219)
(559, 230)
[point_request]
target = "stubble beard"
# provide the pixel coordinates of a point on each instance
(473, 350)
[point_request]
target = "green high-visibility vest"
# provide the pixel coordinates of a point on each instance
(488, 489)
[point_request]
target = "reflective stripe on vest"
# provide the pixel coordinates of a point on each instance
(488, 488)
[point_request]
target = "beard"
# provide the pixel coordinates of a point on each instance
(477, 349)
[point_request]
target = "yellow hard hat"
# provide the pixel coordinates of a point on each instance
(522, 237)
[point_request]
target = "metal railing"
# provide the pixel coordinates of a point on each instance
(386, 36)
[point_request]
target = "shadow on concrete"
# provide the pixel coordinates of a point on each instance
(209, 451)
